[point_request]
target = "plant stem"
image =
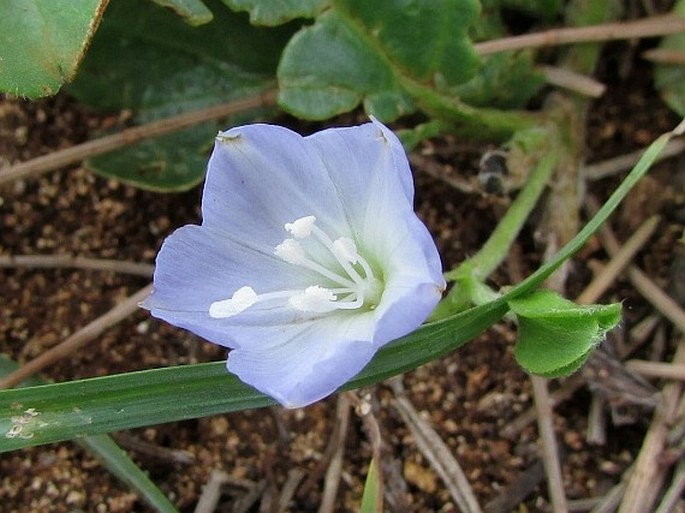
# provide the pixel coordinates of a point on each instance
(495, 250)
(129, 136)
(472, 122)
(647, 27)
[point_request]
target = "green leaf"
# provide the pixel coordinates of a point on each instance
(177, 68)
(361, 52)
(506, 80)
(669, 79)
(43, 41)
(270, 13)
(545, 9)
(372, 498)
(193, 11)
(173, 162)
(555, 335)
(120, 464)
(115, 460)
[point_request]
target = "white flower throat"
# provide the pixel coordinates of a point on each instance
(350, 285)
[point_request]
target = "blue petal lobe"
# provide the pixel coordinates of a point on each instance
(303, 366)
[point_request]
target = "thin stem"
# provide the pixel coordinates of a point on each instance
(495, 250)
(69, 261)
(78, 339)
(129, 136)
(472, 122)
(646, 27)
(550, 453)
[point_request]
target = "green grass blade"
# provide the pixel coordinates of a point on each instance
(111, 455)
(373, 493)
(123, 467)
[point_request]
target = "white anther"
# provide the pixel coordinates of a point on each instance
(291, 251)
(314, 299)
(302, 227)
(345, 249)
(242, 299)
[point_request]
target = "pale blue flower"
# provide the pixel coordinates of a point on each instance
(309, 257)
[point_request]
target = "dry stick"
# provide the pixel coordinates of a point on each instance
(364, 411)
(622, 163)
(78, 339)
(334, 471)
(570, 386)
(612, 498)
(155, 451)
(130, 136)
(245, 503)
(674, 493)
(642, 283)
(646, 27)
(665, 56)
(550, 452)
(596, 423)
(572, 81)
(211, 492)
(650, 473)
(69, 261)
(436, 452)
(650, 369)
(518, 490)
(293, 480)
(620, 259)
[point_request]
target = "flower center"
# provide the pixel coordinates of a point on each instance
(349, 285)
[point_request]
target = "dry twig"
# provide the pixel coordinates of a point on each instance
(646, 27)
(620, 259)
(661, 370)
(134, 443)
(69, 261)
(211, 492)
(129, 136)
(89, 332)
(334, 471)
(436, 452)
(550, 453)
(508, 500)
(650, 472)
(622, 163)
(575, 82)
(293, 480)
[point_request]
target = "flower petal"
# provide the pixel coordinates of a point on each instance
(268, 176)
(198, 266)
(352, 189)
(302, 365)
(364, 162)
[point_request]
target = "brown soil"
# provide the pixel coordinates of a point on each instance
(469, 397)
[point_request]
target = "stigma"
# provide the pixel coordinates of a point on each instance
(345, 282)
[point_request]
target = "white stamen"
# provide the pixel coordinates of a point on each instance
(291, 251)
(302, 227)
(242, 299)
(351, 289)
(345, 249)
(314, 299)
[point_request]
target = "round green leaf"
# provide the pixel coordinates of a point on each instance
(556, 336)
(43, 41)
(359, 51)
(270, 13)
